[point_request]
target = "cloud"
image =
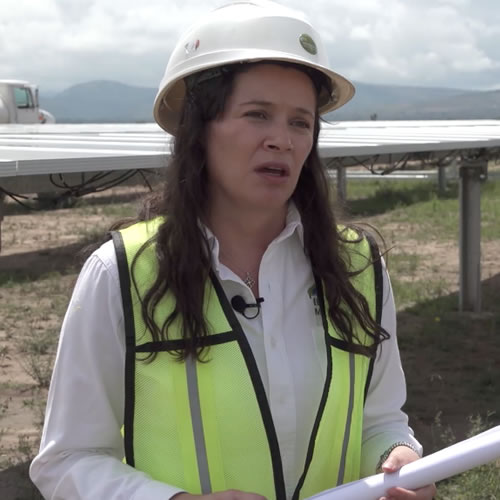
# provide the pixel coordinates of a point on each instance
(71, 12)
(426, 42)
(59, 43)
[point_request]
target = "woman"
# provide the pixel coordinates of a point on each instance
(256, 337)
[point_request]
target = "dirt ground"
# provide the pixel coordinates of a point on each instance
(36, 244)
(437, 383)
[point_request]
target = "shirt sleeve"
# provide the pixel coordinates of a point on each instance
(384, 421)
(81, 450)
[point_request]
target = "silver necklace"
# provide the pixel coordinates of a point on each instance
(248, 279)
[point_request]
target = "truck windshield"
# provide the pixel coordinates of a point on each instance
(23, 97)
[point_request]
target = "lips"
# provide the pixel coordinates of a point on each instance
(274, 169)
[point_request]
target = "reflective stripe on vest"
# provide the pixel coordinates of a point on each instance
(207, 426)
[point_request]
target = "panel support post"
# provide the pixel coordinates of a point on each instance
(2, 207)
(341, 183)
(442, 180)
(471, 176)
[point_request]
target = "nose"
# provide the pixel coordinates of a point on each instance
(278, 138)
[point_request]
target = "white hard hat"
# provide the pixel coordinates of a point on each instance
(244, 32)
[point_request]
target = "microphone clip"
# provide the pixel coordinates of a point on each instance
(239, 305)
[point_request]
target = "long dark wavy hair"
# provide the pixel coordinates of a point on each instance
(182, 250)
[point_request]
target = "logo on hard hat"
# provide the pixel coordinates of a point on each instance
(191, 46)
(308, 44)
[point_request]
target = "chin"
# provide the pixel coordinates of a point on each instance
(272, 203)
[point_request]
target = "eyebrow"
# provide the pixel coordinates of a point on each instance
(268, 104)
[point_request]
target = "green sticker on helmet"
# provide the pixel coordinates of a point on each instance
(308, 44)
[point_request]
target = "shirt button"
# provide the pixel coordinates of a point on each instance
(274, 342)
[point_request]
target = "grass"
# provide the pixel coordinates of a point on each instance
(418, 205)
(408, 287)
(413, 217)
(450, 359)
(37, 353)
(416, 291)
(481, 483)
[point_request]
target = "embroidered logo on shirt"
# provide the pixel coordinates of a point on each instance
(312, 292)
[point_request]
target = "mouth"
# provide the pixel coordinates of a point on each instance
(274, 169)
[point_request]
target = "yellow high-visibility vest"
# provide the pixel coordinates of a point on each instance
(207, 427)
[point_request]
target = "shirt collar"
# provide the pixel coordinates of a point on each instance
(293, 224)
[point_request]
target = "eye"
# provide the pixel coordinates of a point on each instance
(301, 123)
(256, 114)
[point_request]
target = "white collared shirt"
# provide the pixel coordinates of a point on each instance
(81, 449)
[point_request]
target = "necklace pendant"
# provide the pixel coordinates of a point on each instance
(249, 281)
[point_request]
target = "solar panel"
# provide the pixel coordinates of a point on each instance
(33, 146)
(29, 152)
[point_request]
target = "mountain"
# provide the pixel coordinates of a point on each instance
(469, 105)
(393, 102)
(109, 101)
(101, 101)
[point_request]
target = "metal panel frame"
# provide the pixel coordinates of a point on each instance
(29, 151)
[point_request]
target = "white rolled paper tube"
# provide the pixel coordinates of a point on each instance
(458, 458)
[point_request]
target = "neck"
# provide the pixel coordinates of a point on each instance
(243, 237)
(244, 233)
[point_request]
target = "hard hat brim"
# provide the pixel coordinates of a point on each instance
(169, 101)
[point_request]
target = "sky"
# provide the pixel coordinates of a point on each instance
(433, 43)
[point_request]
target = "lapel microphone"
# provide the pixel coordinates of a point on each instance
(240, 306)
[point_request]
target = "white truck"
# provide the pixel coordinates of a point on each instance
(19, 103)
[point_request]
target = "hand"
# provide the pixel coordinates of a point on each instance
(400, 456)
(220, 495)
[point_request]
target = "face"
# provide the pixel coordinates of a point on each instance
(257, 147)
